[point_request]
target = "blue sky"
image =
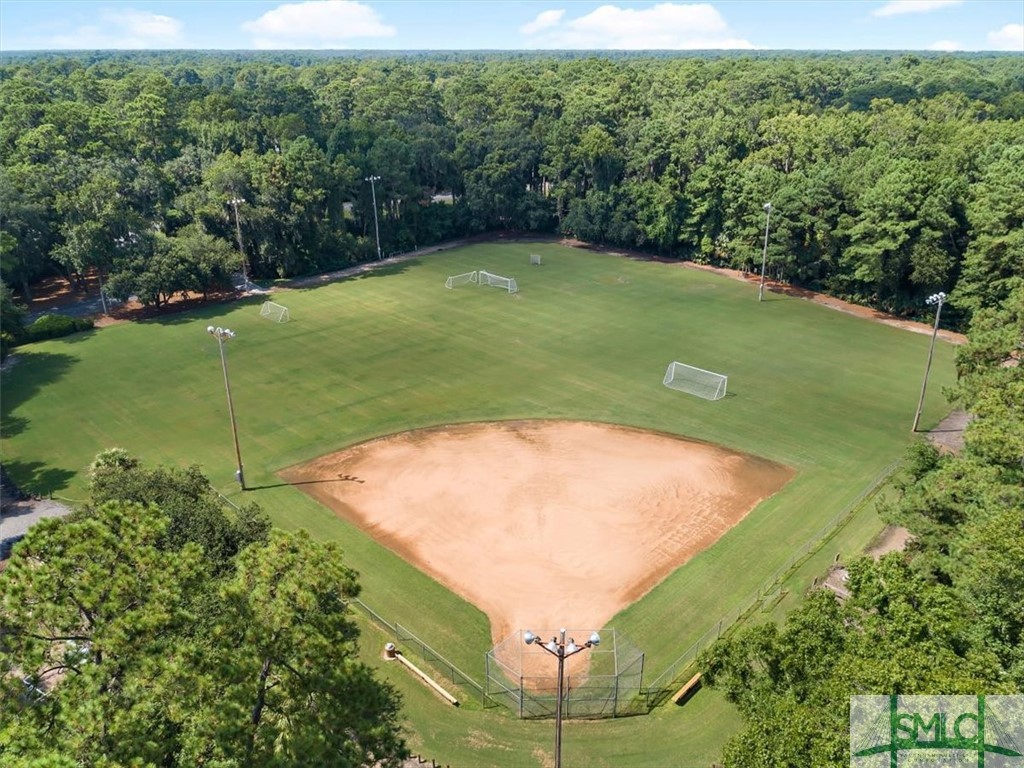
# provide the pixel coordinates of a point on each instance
(971, 25)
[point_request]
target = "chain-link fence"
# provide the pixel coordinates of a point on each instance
(411, 645)
(604, 680)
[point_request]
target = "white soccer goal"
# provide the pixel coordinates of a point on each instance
(465, 277)
(696, 381)
(497, 281)
(276, 312)
(534, 259)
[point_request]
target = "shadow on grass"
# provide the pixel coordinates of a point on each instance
(385, 270)
(76, 338)
(11, 425)
(338, 479)
(206, 311)
(35, 478)
(31, 372)
(361, 272)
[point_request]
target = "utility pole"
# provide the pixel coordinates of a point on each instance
(376, 226)
(935, 298)
(764, 252)
(234, 203)
(222, 335)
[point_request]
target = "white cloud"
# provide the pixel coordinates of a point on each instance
(945, 45)
(544, 20)
(1009, 38)
(316, 24)
(668, 26)
(123, 29)
(899, 7)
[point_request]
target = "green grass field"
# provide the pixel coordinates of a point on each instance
(588, 337)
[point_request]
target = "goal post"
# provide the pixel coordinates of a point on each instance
(276, 312)
(534, 259)
(463, 279)
(695, 381)
(498, 281)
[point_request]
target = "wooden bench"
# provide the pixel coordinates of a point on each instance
(687, 690)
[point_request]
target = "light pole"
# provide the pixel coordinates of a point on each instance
(937, 299)
(376, 226)
(561, 650)
(234, 203)
(764, 252)
(222, 335)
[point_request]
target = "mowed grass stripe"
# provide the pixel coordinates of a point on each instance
(588, 337)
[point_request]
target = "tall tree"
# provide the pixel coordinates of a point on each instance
(89, 608)
(281, 683)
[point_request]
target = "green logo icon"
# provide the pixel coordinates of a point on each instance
(934, 731)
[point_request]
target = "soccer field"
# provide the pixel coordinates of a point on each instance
(587, 337)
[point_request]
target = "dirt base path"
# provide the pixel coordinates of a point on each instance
(502, 513)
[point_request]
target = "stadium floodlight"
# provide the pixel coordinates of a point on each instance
(222, 335)
(764, 252)
(234, 203)
(376, 226)
(937, 299)
(561, 650)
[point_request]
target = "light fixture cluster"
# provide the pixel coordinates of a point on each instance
(222, 334)
(560, 647)
(935, 298)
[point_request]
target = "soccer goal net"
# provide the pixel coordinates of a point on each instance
(456, 280)
(276, 312)
(535, 259)
(497, 281)
(695, 381)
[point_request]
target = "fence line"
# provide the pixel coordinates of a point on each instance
(429, 655)
(658, 690)
(228, 501)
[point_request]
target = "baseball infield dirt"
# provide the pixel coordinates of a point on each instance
(501, 512)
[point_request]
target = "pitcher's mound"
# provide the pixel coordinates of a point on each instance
(542, 523)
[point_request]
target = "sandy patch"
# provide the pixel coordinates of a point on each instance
(542, 524)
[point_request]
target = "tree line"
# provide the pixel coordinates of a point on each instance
(891, 176)
(945, 617)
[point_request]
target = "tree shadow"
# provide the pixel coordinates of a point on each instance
(359, 272)
(385, 270)
(76, 338)
(32, 371)
(203, 310)
(35, 478)
(11, 425)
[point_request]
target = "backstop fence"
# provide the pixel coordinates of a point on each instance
(603, 681)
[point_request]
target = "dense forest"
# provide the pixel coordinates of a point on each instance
(891, 176)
